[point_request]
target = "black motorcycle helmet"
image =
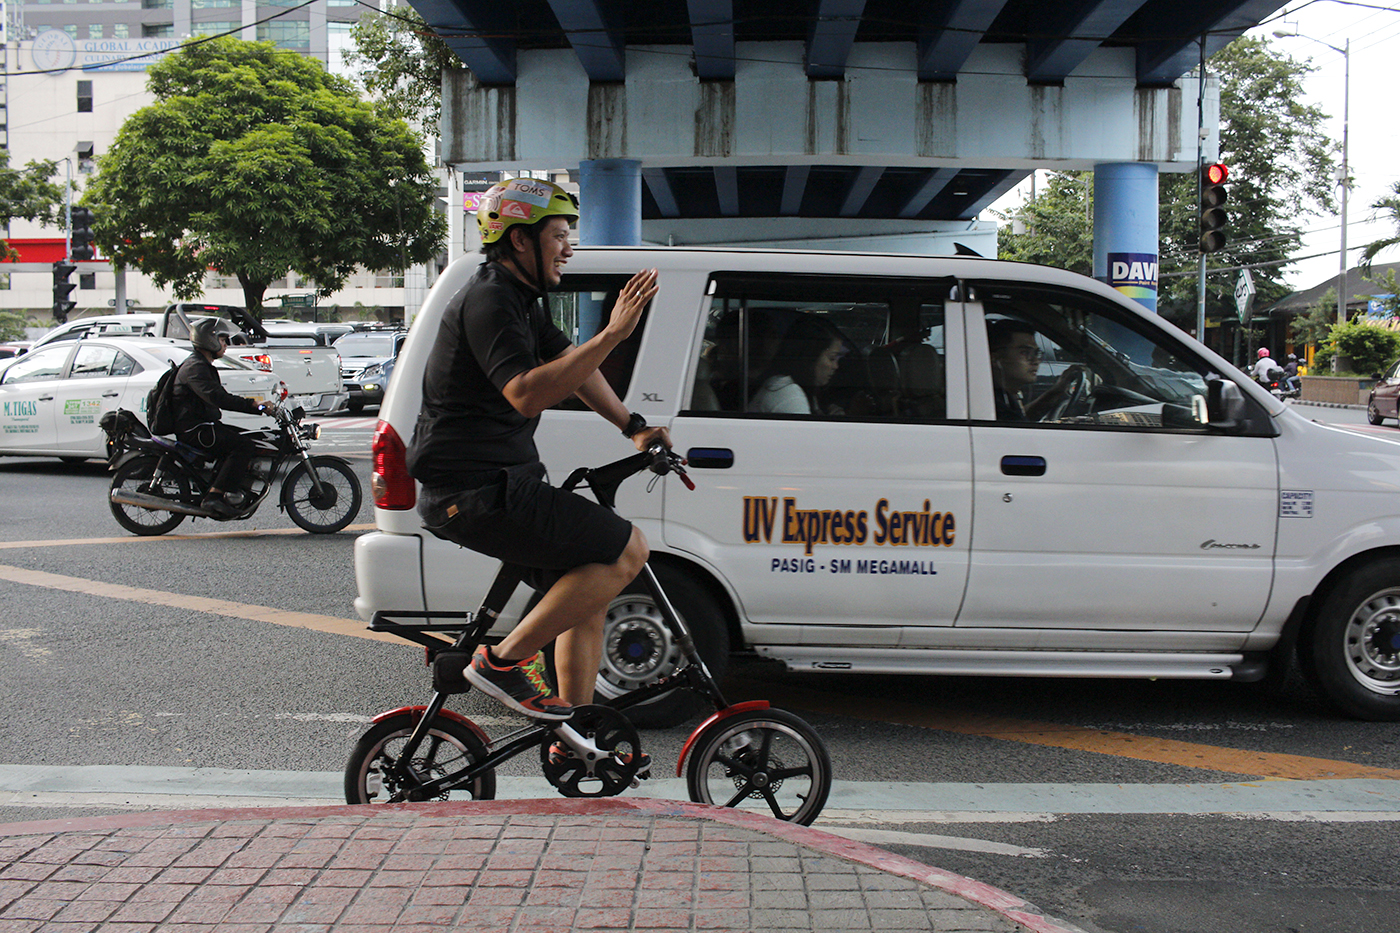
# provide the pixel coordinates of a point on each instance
(204, 335)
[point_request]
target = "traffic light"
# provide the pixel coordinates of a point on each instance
(82, 237)
(1213, 216)
(62, 288)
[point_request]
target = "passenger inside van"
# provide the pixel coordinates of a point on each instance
(805, 361)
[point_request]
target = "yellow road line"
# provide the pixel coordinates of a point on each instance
(1053, 735)
(131, 539)
(1074, 738)
(223, 607)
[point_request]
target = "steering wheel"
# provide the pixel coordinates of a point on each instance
(1071, 394)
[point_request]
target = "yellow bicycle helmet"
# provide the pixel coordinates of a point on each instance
(521, 201)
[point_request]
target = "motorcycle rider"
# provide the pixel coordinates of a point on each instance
(1290, 374)
(1262, 367)
(199, 397)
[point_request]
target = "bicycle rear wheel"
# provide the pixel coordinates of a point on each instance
(765, 760)
(449, 747)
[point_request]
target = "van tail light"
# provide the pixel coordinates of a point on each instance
(389, 481)
(261, 361)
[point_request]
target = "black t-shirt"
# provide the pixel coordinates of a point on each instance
(497, 330)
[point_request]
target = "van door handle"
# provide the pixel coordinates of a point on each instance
(111, 395)
(46, 398)
(710, 458)
(1023, 466)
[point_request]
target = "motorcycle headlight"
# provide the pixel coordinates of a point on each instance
(312, 432)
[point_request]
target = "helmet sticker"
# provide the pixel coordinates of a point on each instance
(529, 192)
(515, 209)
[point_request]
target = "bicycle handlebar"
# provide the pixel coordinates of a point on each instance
(604, 480)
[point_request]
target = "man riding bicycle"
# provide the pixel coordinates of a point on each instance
(497, 363)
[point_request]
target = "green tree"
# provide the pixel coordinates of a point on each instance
(12, 325)
(1058, 230)
(1391, 205)
(1280, 169)
(28, 194)
(1316, 326)
(1370, 348)
(256, 162)
(400, 61)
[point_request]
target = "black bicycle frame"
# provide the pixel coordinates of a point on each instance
(604, 482)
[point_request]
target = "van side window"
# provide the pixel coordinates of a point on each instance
(779, 346)
(1069, 358)
(580, 306)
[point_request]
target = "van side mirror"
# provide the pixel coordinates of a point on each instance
(1226, 407)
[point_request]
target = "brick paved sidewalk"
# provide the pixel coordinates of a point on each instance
(508, 866)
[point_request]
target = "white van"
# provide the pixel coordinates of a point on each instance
(1133, 506)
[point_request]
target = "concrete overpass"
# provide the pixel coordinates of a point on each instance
(882, 124)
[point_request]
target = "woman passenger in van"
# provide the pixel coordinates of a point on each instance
(806, 359)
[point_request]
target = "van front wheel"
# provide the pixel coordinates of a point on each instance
(1355, 650)
(638, 647)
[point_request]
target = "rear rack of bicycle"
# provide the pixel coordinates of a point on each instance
(387, 620)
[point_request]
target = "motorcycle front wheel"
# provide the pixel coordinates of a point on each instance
(334, 507)
(135, 476)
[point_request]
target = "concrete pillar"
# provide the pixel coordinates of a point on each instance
(1125, 229)
(610, 202)
(610, 214)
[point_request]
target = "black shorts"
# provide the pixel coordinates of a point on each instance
(513, 515)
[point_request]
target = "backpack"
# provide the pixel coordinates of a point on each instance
(160, 403)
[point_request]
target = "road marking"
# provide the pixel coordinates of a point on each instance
(136, 539)
(222, 607)
(1054, 735)
(886, 837)
(1073, 738)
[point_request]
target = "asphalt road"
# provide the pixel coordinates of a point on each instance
(154, 672)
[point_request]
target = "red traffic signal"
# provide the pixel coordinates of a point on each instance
(1213, 197)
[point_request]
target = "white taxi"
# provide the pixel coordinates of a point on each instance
(1012, 470)
(52, 398)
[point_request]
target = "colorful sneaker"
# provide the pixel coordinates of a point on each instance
(514, 687)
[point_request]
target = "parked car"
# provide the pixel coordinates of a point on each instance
(52, 398)
(1385, 395)
(1152, 514)
(13, 349)
(366, 359)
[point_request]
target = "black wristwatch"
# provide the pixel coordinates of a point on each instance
(634, 424)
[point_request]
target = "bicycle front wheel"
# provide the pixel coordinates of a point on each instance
(765, 760)
(370, 775)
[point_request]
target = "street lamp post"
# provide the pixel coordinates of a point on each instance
(1345, 52)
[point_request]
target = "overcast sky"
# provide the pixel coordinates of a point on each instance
(1373, 145)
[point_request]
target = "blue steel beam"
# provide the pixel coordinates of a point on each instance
(599, 48)
(1068, 32)
(660, 187)
(477, 33)
(862, 184)
(933, 186)
(833, 34)
(1162, 61)
(727, 189)
(712, 31)
(948, 37)
(794, 187)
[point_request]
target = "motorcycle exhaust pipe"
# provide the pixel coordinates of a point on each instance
(158, 503)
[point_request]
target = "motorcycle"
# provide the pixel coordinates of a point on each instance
(1273, 382)
(159, 480)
